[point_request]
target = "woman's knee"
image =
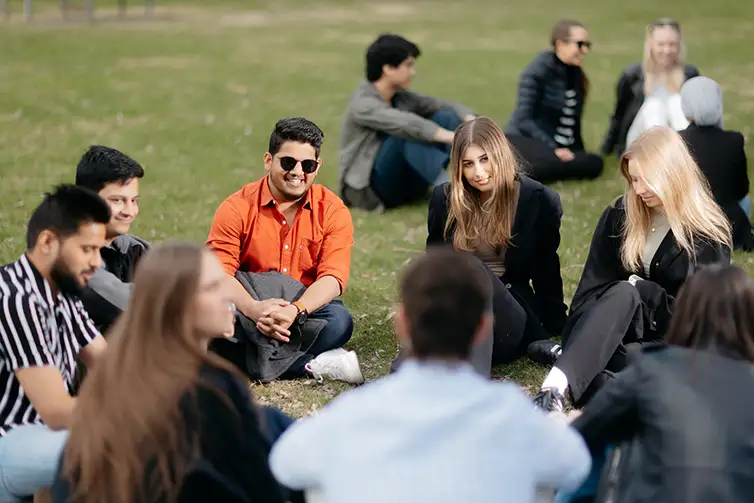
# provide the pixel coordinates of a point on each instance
(623, 292)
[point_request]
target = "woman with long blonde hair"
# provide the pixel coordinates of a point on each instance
(646, 244)
(648, 93)
(161, 419)
(511, 223)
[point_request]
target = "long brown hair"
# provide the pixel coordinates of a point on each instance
(715, 308)
(562, 31)
(478, 222)
(128, 415)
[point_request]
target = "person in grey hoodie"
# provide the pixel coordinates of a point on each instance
(115, 177)
(394, 143)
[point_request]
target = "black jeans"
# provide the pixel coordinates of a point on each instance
(540, 162)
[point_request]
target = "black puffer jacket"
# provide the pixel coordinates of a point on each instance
(542, 97)
(628, 101)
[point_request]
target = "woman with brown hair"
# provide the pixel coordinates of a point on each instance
(161, 419)
(511, 223)
(686, 409)
(545, 128)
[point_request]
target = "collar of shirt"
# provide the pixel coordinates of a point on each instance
(268, 199)
(436, 368)
(40, 284)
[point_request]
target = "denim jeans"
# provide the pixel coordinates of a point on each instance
(334, 335)
(405, 169)
(29, 458)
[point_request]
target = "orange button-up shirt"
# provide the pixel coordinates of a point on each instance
(249, 233)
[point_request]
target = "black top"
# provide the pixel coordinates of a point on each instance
(550, 103)
(233, 450)
(532, 259)
(691, 416)
(722, 158)
(628, 101)
(669, 269)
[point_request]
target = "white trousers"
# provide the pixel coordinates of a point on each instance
(663, 110)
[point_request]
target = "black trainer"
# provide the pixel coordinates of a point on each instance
(550, 400)
(545, 352)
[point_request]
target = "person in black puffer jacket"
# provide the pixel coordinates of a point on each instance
(545, 128)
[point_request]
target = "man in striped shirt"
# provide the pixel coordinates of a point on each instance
(44, 329)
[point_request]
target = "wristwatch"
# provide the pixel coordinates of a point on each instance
(302, 313)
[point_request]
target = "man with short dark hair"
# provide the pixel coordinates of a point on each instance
(115, 177)
(286, 223)
(44, 329)
(395, 143)
(435, 430)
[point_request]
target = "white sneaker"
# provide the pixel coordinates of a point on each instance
(337, 364)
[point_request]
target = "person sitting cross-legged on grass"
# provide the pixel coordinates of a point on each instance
(435, 430)
(394, 143)
(160, 418)
(645, 245)
(115, 177)
(286, 225)
(44, 331)
(511, 224)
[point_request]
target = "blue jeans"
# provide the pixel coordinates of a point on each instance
(405, 169)
(589, 487)
(745, 205)
(28, 460)
(334, 335)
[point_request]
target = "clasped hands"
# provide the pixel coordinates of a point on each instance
(274, 317)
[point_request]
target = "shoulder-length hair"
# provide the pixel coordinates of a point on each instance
(476, 221)
(676, 75)
(128, 418)
(715, 309)
(662, 159)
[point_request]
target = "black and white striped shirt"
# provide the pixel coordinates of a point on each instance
(36, 330)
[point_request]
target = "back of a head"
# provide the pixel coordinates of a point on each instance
(445, 295)
(64, 211)
(702, 101)
(388, 49)
(715, 309)
(100, 166)
(122, 425)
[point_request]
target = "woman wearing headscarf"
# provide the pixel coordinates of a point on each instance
(720, 155)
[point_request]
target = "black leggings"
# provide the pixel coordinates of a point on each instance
(540, 162)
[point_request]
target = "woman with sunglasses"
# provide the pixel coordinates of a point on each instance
(648, 93)
(545, 128)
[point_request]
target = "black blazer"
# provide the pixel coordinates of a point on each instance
(532, 264)
(689, 414)
(669, 269)
(628, 101)
(722, 158)
(541, 99)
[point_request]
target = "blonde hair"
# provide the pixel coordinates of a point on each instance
(676, 74)
(662, 160)
(479, 222)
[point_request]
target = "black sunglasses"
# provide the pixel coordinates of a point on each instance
(307, 165)
(582, 43)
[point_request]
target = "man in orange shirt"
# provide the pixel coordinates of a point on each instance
(286, 223)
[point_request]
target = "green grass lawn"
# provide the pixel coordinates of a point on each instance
(194, 93)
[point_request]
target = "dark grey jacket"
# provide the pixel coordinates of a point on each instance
(266, 358)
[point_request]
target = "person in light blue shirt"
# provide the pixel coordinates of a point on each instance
(435, 431)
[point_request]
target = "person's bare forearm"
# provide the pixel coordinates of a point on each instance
(443, 135)
(240, 297)
(321, 292)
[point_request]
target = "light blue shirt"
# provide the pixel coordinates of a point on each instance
(431, 433)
